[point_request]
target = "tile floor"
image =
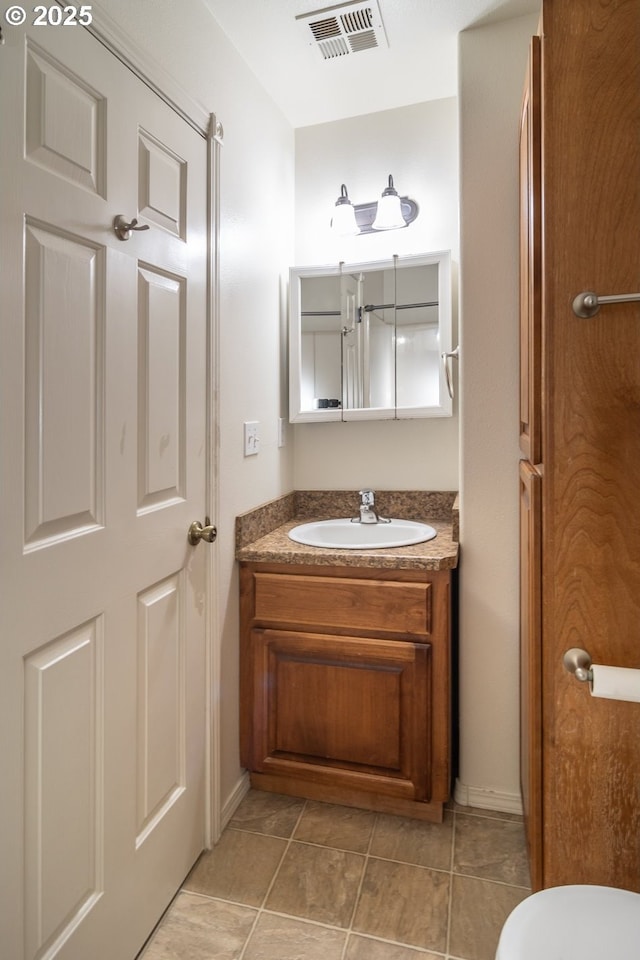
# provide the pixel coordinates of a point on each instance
(298, 880)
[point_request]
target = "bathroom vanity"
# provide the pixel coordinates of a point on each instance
(346, 671)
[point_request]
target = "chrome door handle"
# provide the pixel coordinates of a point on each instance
(197, 532)
(123, 227)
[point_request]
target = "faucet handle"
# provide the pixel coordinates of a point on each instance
(367, 497)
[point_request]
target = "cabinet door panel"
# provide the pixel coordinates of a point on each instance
(343, 708)
(530, 664)
(531, 264)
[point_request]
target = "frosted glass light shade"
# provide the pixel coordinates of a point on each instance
(344, 221)
(389, 210)
(389, 214)
(344, 216)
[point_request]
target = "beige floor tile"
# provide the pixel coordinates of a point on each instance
(491, 850)
(479, 909)
(196, 928)
(280, 938)
(412, 841)
(364, 948)
(405, 903)
(399, 913)
(269, 813)
(317, 883)
(334, 826)
(239, 868)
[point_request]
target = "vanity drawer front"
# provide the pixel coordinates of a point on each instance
(379, 605)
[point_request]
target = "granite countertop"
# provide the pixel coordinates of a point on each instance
(262, 534)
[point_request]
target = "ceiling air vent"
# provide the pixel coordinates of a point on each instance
(345, 29)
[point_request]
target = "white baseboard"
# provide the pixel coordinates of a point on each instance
(487, 799)
(234, 800)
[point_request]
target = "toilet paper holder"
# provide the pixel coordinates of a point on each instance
(578, 662)
(606, 683)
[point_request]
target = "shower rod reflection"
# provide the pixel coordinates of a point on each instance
(370, 307)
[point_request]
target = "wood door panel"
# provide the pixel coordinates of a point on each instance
(358, 705)
(64, 763)
(390, 606)
(161, 745)
(346, 727)
(65, 276)
(162, 381)
(66, 122)
(162, 185)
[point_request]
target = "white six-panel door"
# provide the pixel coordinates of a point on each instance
(103, 433)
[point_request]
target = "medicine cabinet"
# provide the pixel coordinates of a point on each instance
(366, 340)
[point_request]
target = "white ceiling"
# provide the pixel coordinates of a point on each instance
(419, 64)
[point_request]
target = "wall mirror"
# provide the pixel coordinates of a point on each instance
(366, 339)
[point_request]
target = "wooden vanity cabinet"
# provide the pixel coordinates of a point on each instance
(345, 685)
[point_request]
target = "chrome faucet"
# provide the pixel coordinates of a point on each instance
(368, 512)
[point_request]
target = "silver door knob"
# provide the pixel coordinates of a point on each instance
(123, 227)
(197, 532)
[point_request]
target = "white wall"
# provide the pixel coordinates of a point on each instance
(418, 145)
(492, 63)
(257, 188)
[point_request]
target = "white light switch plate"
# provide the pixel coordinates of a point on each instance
(251, 437)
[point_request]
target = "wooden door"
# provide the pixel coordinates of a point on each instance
(103, 465)
(591, 502)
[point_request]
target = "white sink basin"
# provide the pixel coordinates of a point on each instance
(345, 534)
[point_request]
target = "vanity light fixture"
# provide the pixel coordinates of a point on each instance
(390, 212)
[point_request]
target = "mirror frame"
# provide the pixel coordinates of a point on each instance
(297, 274)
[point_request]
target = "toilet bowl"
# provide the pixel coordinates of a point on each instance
(576, 922)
